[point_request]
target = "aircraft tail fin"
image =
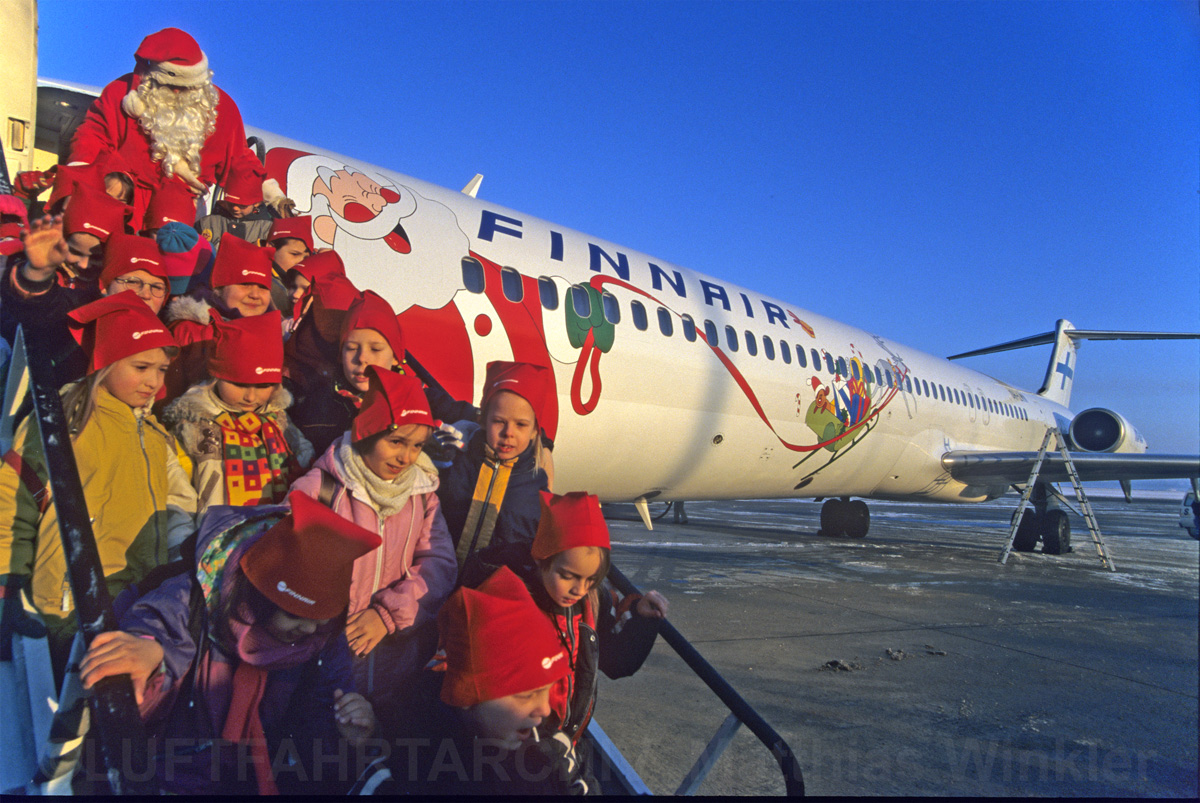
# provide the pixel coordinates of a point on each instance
(1060, 373)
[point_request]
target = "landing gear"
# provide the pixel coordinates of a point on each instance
(845, 517)
(1056, 533)
(1039, 522)
(1027, 533)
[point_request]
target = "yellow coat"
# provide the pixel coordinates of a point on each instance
(123, 457)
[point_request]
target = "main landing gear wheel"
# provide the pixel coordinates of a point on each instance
(1056, 532)
(1027, 532)
(845, 517)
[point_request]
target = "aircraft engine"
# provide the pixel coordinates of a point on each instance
(1101, 430)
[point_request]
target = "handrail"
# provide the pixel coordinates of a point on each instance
(793, 778)
(120, 737)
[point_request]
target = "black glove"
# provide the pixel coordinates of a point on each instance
(558, 752)
(13, 618)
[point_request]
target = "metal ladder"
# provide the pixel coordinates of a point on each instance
(1085, 506)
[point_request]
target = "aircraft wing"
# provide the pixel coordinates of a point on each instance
(1014, 467)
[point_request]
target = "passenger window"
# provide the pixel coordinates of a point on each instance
(816, 359)
(548, 292)
(689, 328)
(751, 343)
(829, 366)
(942, 390)
(581, 302)
(841, 366)
(638, 312)
(878, 376)
(908, 384)
(888, 375)
(785, 351)
(731, 338)
(510, 283)
(710, 334)
(925, 385)
(800, 356)
(612, 310)
(664, 322)
(472, 273)
(854, 370)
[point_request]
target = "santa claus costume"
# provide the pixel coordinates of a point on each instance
(196, 135)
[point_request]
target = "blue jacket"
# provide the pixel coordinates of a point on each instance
(297, 705)
(517, 522)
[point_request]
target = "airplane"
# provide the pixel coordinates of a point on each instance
(672, 385)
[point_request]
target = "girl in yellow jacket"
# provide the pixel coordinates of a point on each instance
(138, 496)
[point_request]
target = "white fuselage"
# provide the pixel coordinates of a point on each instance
(671, 419)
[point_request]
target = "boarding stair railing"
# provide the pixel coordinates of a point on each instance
(119, 737)
(740, 713)
(1055, 434)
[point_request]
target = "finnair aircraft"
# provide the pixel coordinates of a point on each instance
(672, 385)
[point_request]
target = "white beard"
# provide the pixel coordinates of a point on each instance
(177, 124)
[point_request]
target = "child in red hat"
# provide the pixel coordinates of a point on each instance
(377, 476)
(258, 660)
(239, 212)
(136, 263)
(490, 491)
(139, 497)
(241, 281)
(234, 425)
(571, 551)
(170, 220)
(291, 237)
(499, 660)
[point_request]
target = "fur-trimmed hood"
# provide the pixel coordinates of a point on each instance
(189, 308)
(200, 405)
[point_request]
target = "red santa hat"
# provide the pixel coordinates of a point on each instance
(569, 521)
(324, 265)
(371, 311)
(530, 382)
(497, 642)
(67, 176)
(248, 351)
(116, 327)
(392, 401)
(244, 182)
(172, 202)
(126, 253)
(174, 58)
(93, 212)
(304, 562)
(240, 262)
(294, 228)
(331, 297)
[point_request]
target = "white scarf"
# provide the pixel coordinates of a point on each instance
(388, 497)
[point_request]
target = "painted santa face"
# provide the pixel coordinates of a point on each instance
(363, 347)
(149, 288)
(136, 380)
(247, 398)
(510, 719)
(248, 299)
(396, 451)
(570, 575)
(510, 424)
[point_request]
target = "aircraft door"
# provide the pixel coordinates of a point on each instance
(969, 399)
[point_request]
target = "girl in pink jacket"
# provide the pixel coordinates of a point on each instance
(377, 476)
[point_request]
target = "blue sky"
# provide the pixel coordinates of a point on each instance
(948, 174)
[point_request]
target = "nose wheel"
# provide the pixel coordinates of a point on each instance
(849, 517)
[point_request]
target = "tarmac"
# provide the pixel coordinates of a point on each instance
(911, 662)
